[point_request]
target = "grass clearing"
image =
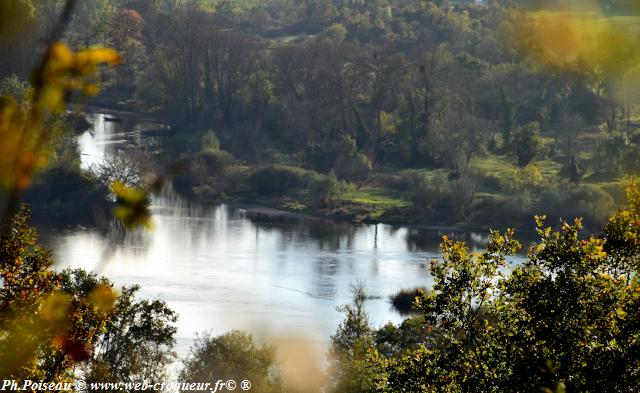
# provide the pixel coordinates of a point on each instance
(378, 197)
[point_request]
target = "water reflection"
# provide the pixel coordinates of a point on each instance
(429, 239)
(221, 270)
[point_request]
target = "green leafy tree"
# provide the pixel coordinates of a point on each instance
(349, 347)
(526, 143)
(325, 190)
(564, 320)
(232, 355)
(50, 321)
(46, 326)
(611, 153)
(622, 234)
(137, 342)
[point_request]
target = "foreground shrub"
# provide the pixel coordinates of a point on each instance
(566, 319)
(35, 312)
(348, 348)
(138, 338)
(56, 326)
(393, 340)
(232, 355)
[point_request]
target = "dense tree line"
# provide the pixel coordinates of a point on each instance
(406, 82)
(359, 90)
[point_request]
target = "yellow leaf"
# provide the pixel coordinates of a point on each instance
(132, 206)
(52, 98)
(54, 309)
(91, 89)
(61, 54)
(100, 55)
(103, 298)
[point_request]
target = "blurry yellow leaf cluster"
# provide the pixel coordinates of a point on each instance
(60, 327)
(103, 299)
(565, 39)
(67, 71)
(20, 153)
(26, 136)
(55, 309)
(132, 206)
(607, 48)
(43, 330)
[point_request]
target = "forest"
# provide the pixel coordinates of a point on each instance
(469, 114)
(393, 111)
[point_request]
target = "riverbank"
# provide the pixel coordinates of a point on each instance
(119, 115)
(285, 209)
(403, 198)
(493, 193)
(256, 212)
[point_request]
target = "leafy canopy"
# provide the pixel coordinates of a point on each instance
(565, 320)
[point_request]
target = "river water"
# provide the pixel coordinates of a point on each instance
(221, 270)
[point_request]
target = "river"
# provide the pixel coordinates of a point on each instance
(221, 270)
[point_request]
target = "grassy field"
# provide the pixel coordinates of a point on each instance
(488, 172)
(378, 200)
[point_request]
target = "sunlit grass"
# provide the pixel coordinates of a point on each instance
(378, 197)
(492, 165)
